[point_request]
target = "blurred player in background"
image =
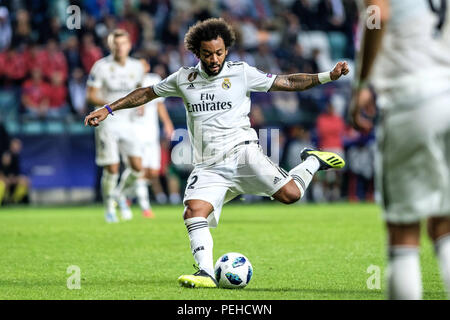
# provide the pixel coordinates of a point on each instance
(408, 62)
(228, 160)
(145, 119)
(110, 78)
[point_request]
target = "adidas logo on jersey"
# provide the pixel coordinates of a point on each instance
(276, 180)
(190, 86)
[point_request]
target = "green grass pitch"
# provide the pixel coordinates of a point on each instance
(297, 252)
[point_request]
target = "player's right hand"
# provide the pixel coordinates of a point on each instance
(95, 117)
(340, 69)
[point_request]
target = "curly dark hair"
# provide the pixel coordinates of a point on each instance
(208, 30)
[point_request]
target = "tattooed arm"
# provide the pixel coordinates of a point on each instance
(134, 99)
(295, 82)
(304, 81)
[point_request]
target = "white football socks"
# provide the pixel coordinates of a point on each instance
(201, 243)
(127, 180)
(304, 172)
(442, 248)
(141, 190)
(403, 273)
(108, 185)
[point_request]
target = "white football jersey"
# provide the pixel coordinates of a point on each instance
(217, 107)
(116, 81)
(147, 124)
(412, 64)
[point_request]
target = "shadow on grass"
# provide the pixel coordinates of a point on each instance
(315, 291)
(426, 294)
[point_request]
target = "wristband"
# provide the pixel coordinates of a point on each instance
(109, 109)
(324, 77)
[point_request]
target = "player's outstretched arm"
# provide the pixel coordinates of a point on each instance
(304, 81)
(134, 99)
(372, 39)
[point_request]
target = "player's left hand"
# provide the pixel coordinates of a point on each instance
(362, 110)
(340, 69)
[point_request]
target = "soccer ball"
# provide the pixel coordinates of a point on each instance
(233, 270)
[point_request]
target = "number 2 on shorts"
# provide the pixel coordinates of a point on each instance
(194, 180)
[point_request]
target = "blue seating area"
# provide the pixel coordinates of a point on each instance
(338, 44)
(9, 104)
(18, 124)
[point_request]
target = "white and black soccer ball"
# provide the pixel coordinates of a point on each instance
(233, 270)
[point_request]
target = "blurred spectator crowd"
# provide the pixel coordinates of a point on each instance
(44, 64)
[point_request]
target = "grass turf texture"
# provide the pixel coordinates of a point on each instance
(297, 252)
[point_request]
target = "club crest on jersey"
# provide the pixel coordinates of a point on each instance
(192, 76)
(226, 84)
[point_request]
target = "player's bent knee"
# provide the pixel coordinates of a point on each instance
(289, 195)
(112, 168)
(438, 227)
(186, 213)
(404, 234)
(293, 197)
(135, 163)
(192, 213)
(197, 209)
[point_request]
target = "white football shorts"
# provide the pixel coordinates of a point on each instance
(112, 141)
(413, 161)
(151, 154)
(244, 170)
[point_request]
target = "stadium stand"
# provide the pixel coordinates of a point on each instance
(280, 36)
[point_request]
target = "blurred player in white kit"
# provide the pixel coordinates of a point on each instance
(110, 78)
(145, 120)
(407, 62)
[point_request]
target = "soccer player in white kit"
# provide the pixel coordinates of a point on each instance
(407, 62)
(146, 124)
(227, 157)
(111, 78)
